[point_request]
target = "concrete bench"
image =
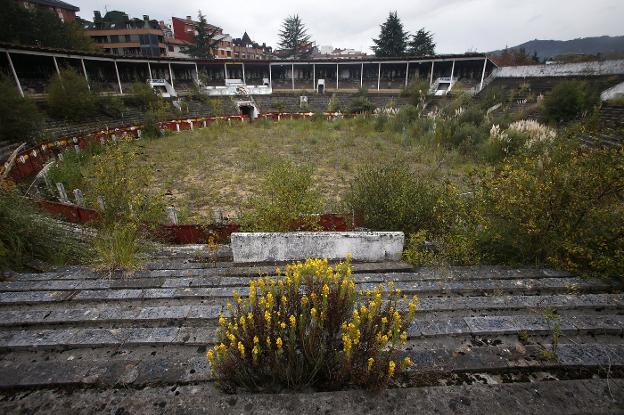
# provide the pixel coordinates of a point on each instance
(363, 246)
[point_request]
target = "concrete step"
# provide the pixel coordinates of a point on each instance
(190, 365)
(64, 338)
(177, 289)
(551, 398)
(110, 314)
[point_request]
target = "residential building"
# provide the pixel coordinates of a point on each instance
(226, 47)
(245, 48)
(117, 34)
(65, 11)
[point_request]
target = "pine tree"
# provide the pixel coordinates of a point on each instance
(422, 44)
(204, 42)
(392, 39)
(294, 39)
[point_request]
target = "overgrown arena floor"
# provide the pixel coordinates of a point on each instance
(72, 341)
(220, 166)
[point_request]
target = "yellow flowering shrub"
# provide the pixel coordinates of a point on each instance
(309, 327)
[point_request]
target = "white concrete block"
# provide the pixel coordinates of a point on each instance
(270, 246)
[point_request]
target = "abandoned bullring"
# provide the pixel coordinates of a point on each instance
(315, 233)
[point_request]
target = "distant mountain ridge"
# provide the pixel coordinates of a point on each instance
(588, 45)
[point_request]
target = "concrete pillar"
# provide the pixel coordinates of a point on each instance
(244, 81)
(483, 74)
(17, 81)
(407, 74)
(314, 76)
(118, 78)
(362, 75)
(171, 75)
(379, 76)
(58, 72)
(452, 70)
(270, 77)
(84, 70)
(149, 69)
(225, 70)
(197, 73)
(292, 75)
(431, 76)
(337, 74)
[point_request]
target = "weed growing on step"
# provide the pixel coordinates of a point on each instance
(550, 354)
(304, 329)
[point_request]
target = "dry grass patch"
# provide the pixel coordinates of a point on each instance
(221, 166)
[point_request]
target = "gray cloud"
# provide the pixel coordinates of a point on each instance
(458, 25)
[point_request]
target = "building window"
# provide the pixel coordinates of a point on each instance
(128, 38)
(229, 54)
(170, 48)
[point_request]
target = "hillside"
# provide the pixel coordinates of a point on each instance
(589, 45)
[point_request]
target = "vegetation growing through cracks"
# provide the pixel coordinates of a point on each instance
(310, 327)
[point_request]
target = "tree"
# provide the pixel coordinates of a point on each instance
(294, 39)
(19, 117)
(422, 44)
(39, 27)
(204, 41)
(392, 38)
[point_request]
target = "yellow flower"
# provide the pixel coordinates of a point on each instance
(384, 320)
(407, 362)
(391, 368)
(325, 290)
(278, 342)
(268, 341)
(371, 362)
(241, 349)
(403, 337)
(293, 321)
(256, 340)
(313, 312)
(283, 325)
(222, 320)
(211, 357)
(267, 317)
(304, 300)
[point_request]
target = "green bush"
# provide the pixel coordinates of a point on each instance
(360, 104)
(143, 96)
(129, 211)
(70, 171)
(69, 96)
(116, 175)
(390, 198)
(465, 136)
(333, 105)
(287, 197)
(27, 234)
(110, 105)
(569, 100)
(20, 119)
(406, 115)
(560, 208)
(417, 91)
(303, 329)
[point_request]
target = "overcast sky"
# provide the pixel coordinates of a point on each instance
(458, 25)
